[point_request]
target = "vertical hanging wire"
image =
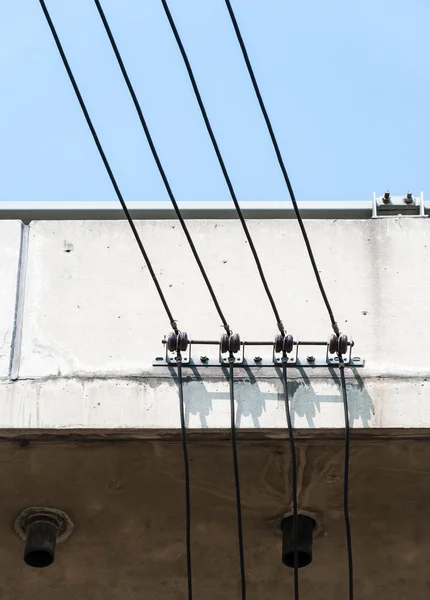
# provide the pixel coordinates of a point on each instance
(107, 165)
(237, 482)
(346, 483)
(293, 481)
(186, 478)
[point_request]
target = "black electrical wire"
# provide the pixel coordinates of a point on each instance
(222, 164)
(237, 484)
(107, 166)
(282, 166)
(293, 482)
(187, 479)
(158, 163)
(346, 484)
(317, 276)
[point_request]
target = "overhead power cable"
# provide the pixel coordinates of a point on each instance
(333, 321)
(346, 484)
(140, 244)
(187, 478)
(222, 165)
(293, 482)
(237, 483)
(282, 166)
(107, 165)
(159, 164)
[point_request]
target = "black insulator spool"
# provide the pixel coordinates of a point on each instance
(284, 343)
(288, 343)
(235, 343)
(171, 342)
(182, 341)
(230, 343)
(333, 344)
(279, 341)
(224, 343)
(343, 344)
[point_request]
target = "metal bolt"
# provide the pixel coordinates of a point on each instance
(409, 198)
(386, 197)
(257, 359)
(310, 359)
(204, 359)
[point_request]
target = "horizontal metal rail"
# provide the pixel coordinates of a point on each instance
(77, 211)
(253, 343)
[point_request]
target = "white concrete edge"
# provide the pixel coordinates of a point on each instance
(15, 353)
(154, 405)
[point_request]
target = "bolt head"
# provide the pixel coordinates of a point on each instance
(310, 359)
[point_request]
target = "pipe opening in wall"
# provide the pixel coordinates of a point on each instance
(42, 528)
(305, 531)
(41, 538)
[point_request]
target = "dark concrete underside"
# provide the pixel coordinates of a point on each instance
(127, 501)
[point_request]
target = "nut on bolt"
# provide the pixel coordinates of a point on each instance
(386, 197)
(204, 359)
(408, 198)
(257, 359)
(310, 359)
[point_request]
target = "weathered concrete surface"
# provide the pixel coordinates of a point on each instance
(93, 324)
(10, 245)
(127, 501)
(133, 405)
(91, 306)
(89, 426)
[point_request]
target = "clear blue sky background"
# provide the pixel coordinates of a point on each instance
(347, 83)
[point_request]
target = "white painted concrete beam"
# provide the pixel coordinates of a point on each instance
(130, 405)
(92, 323)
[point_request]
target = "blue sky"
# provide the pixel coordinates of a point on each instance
(346, 83)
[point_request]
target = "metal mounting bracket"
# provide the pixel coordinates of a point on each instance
(398, 206)
(292, 359)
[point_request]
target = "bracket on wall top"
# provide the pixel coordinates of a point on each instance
(293, 356)
(395, 206)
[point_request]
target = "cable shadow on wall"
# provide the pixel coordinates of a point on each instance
(306, 402)
(253, 402)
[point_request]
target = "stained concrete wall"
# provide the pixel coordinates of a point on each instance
(127, 502)
(90, 323)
